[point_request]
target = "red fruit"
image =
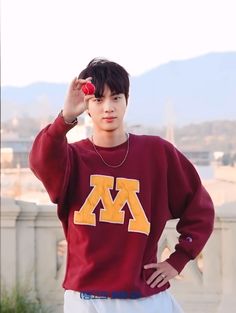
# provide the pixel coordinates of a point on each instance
(88, 88)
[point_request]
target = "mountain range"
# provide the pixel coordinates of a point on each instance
(181, 92)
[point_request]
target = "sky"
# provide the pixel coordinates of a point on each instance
(53, 40)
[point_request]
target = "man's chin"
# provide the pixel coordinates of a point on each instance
(110, 128)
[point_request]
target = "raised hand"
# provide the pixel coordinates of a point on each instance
(75, 101)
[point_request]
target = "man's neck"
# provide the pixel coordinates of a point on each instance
(109, 139)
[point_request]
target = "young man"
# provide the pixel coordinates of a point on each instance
(115, 192)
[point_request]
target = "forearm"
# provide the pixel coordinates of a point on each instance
(190, 202)
(195, 227)
(50, 157)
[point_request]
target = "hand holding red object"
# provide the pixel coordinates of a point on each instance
(88, 88)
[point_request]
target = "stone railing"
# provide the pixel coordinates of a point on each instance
(30, 236)
(32, 244)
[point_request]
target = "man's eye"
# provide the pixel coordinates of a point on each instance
(117, 97)
(98, 100)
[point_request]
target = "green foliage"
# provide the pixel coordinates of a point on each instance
(17, 301)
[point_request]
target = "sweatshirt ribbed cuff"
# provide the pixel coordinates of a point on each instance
(59, 127)
(178, 260)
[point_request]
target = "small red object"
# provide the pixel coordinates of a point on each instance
(88, 88)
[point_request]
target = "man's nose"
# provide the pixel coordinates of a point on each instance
(108, 106)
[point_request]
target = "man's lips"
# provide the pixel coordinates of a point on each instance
(109, 118)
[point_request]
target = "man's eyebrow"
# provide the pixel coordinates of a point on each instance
(115, 93)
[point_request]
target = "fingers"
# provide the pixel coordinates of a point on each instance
(164, 272)
(162, 282)
(74, 84)
(154, 276)
(158, 279)
(82, 81)
(86, 99)
(77, 83)
(151, 265)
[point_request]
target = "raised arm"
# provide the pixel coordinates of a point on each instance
(51, 157)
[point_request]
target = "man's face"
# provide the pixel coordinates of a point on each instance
(107, 112)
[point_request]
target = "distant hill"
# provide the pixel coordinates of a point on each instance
(194, 90)
(35, 100)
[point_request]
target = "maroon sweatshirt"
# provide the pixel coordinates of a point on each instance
(113, 217)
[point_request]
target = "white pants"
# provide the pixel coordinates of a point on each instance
(162, 302)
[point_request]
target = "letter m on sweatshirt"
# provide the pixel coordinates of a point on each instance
(112, 209)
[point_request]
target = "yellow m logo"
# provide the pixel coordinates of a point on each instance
(112, 209)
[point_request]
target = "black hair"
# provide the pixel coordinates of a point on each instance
(105, 72)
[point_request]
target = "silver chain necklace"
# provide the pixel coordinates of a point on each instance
(110, 165)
